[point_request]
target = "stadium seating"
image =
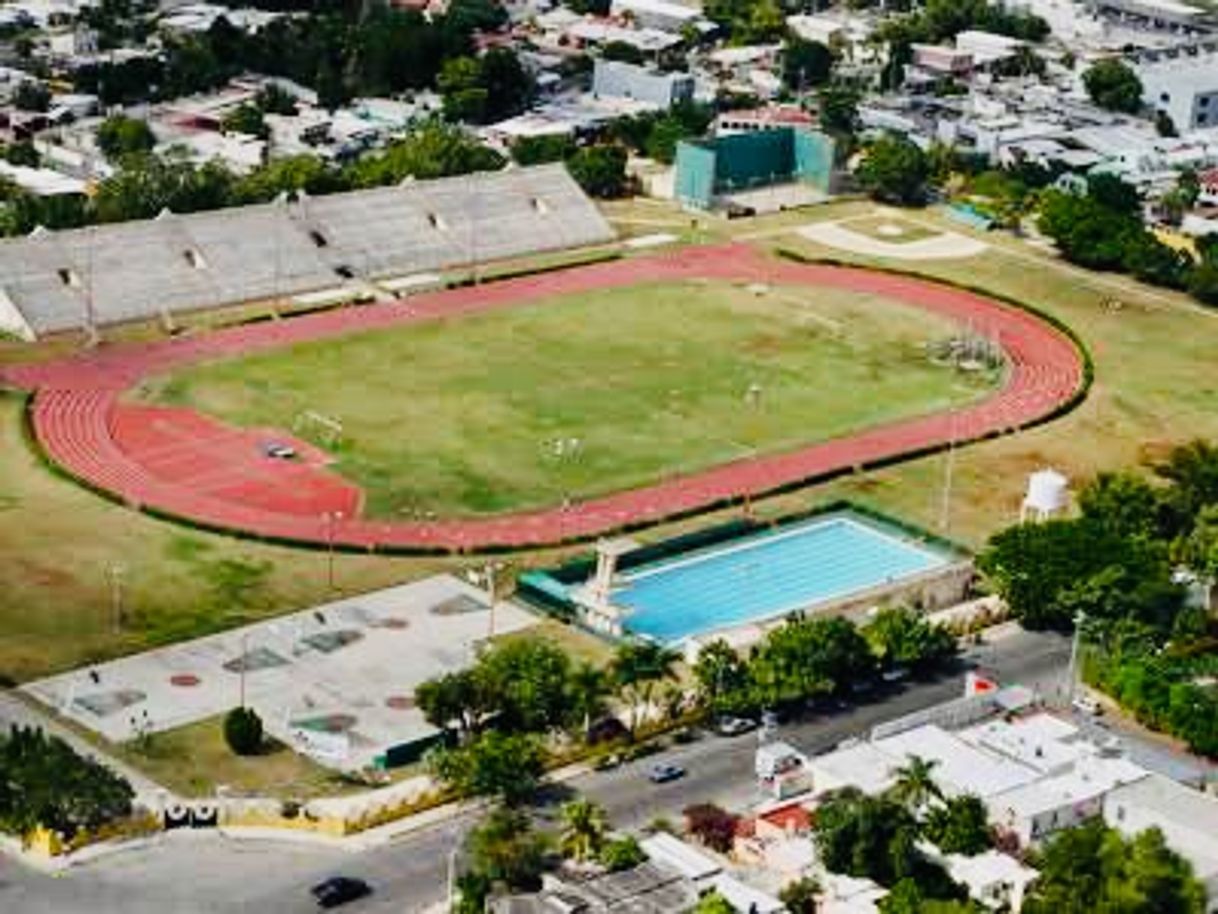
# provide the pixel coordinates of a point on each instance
(108, 274)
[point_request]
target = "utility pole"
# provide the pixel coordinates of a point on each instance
(1072, 672)
(245, 637)
(331, 518)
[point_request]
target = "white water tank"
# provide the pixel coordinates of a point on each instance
(1048, 493)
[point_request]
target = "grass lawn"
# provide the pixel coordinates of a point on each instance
(475, 415)
(881, 226)
(194, 760)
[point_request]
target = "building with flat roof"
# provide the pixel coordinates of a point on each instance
(616, 79)
(959, 767)
(657, 14)
(1037, 809)
(1187, 818)
(994, 879)
(1183, 86)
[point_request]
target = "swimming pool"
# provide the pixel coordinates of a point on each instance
(767, 575)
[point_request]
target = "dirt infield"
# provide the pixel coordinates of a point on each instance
(188, 466)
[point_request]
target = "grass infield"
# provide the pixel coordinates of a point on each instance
(575, 396)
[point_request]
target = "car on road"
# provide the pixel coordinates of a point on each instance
(734, 726)
(338, 890)
(665, 772)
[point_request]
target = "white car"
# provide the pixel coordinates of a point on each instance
(1085, 704)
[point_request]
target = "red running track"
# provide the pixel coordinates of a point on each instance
(217, 478)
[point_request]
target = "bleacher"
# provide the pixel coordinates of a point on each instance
(109, 274)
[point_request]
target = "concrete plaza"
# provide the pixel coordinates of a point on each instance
(335, 682)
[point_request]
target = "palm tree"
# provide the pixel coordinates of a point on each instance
(583, 829)
(587, 688)
(636, 669)
(915, 784)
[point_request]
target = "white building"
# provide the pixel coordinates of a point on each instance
(1034, 811)
(1183, 84)
(657, 14)
(1187, 818)
(616, 79)
(994, 879)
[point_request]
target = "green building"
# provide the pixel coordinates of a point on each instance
(708, 168)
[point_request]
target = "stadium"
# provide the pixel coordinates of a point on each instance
(184, 463)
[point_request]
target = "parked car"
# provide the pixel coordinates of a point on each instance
(339, 890)
(277, 450)
(665, 772)
(734, 726)
(895, 675)
(1085, 704)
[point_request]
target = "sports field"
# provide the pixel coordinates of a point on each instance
(577, 395)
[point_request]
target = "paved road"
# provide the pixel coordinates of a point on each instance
(209, 873)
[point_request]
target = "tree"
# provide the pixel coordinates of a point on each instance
(1201, 546)
(1115, 194)
(800, 896)
(243, 731)
(618, 854)
(507, 766)
(805, 64)
(600, 170)
(431, 150)
(713, 826)
(1121, 503)
(22, 152)
(537, 150)
(622, 51)
(1093, 868)
(1192, 471)
(583, 829)
(31, 96)
(807, 657)
(274, 99)
(722, 676)
(895, 170)
(527, 679)
(959, 825)
(504, 848)
(901, 636)
(246, 119)
(867, 836)
(45, 782)
(588, 687)
(713, 903)
(455, 698)
(119, 136)
(1203, 282)
(839, 109)
(1113, 85)
(638, 666)
(914, 784)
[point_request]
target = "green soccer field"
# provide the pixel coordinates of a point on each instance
(579, 395)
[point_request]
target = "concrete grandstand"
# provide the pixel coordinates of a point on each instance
(94, 277)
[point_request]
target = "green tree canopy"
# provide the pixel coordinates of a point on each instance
(507, 766)
(895, 170)
(1093, 868)
(243, 731)
(805, 64)
(45, 782)
(119, 135)
(959, 825)
(1113, 85)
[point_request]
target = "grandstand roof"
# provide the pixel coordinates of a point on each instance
(140, 270)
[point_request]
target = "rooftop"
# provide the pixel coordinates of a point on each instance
(959, 767)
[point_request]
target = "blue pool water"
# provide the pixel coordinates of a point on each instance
(767, 575)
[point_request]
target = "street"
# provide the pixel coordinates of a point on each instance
(207, 872)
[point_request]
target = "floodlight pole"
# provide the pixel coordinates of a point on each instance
(244, 661)
(116, 596)
(945, 508)
(331, 518)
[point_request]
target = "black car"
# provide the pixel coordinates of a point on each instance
(339, 890)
